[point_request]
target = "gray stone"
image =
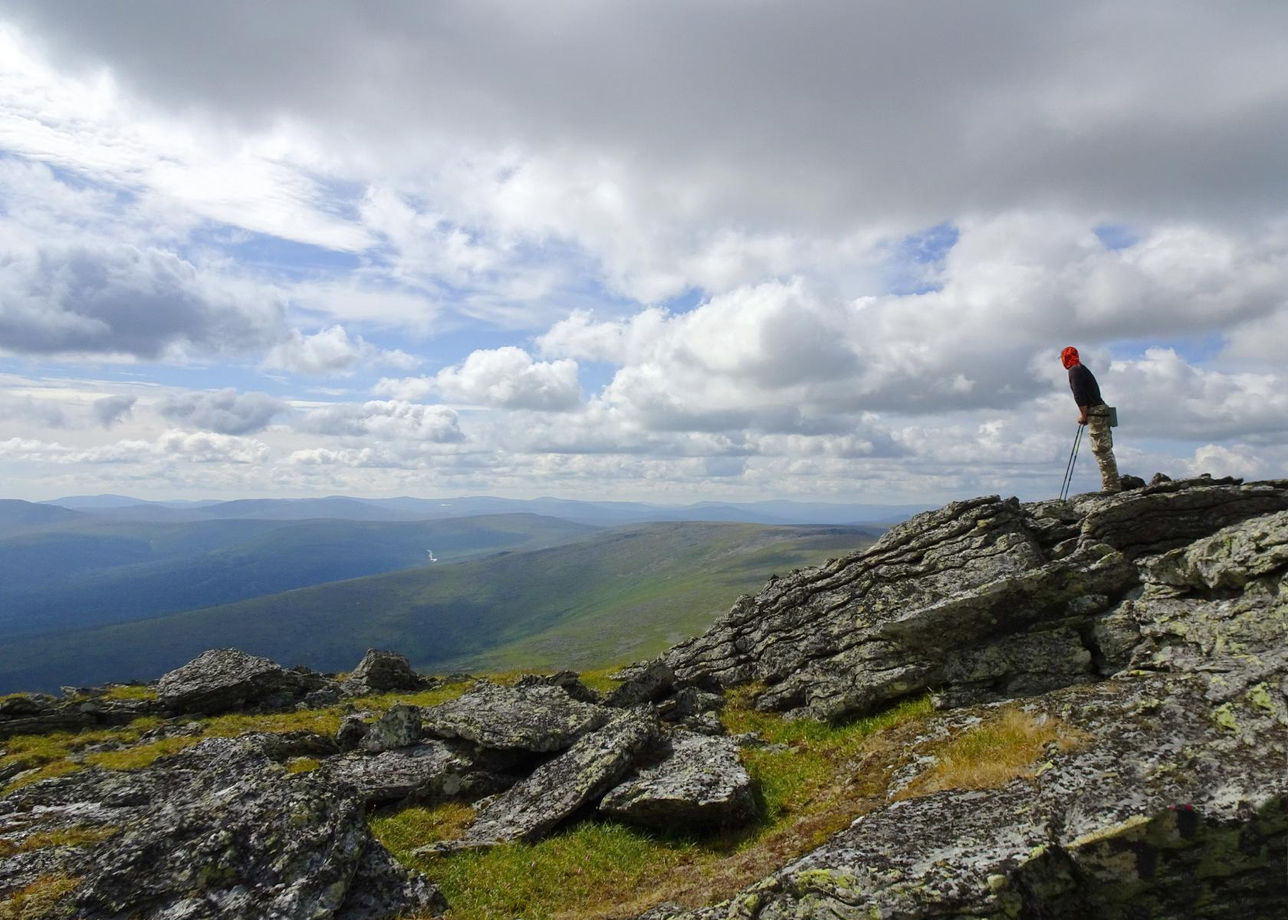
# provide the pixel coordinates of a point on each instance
(382, 672)
(223, 679)
(700, 784)
(981, 599)
(353, 729)
(399, 727)
(644, 683)
(428, 771)
(217, 830)
(539, 718)
(1170, 802)
(560, 787)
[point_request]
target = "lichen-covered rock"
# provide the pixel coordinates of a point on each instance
(643, 683)
(1170, 804)
(40, 714)
(570, 681)
(219, 830)
(428, 771)
(576, 778)
(382, 672)
(700, 783)
(539, 718)
(223, 679)
(982, 599)
(399, 727)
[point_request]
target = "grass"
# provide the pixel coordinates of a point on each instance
(130, 692)
(596, 869)
(64, 837)
(39, 899)
(1007, 745)
(60, 753)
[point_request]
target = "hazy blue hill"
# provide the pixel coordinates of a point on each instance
(609, 598)
(55, 581)
(595, 513)
(16, 514)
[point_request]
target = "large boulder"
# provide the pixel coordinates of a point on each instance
(223, 679)
(700, 784)
(559, 788)
(382, 672)
(534, 717)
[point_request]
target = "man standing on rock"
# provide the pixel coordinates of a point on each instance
(1093, 413)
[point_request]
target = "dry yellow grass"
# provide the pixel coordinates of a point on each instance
(38, 900)
(1008, 745)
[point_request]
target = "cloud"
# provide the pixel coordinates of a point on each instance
(332, 351)
(31, 411)
(198, 447)
(111, 409)
(1163, 395)
(124, 300)
(387, 420)
(503, 378)
(223, 411)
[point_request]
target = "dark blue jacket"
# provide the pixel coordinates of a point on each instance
(1086, 392)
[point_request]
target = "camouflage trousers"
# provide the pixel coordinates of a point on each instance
(1102, 447)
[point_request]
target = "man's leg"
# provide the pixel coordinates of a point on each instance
(1102, 447)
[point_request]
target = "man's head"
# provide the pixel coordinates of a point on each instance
(1069, 357)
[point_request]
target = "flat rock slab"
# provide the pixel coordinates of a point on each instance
(426, 771)
(527, 718)
(557, 789)
(701, 784)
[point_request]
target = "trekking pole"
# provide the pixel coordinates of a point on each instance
(1073, 460)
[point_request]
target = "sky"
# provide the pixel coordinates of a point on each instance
(658, 250)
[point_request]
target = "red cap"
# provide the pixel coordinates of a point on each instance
(1069, 357)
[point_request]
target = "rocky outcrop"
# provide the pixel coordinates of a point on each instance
(533, 717)
(982, 599)
(1172, 803)
(1150, 625)
(218, 830)
(699, 784)
(557, 789)
(224, 679)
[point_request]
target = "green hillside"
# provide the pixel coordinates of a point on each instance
(56, 580)
(617, 596)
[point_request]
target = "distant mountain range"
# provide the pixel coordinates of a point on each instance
(102, 588)
(600, 514)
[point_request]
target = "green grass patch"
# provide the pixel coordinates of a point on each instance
(139, 756)
(564, 876)
(129, 692)
(57, 753)
(601, 869)
(599, 679)
(431, 697)
(65, 837)
(302, 764)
